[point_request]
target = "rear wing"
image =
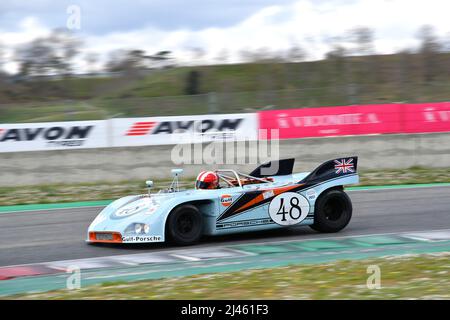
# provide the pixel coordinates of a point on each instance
(332, 169)
(281, 167)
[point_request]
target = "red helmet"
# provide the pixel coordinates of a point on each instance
(207, 180)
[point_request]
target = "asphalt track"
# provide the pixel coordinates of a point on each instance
(53, 235)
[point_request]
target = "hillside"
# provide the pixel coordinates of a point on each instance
(231, 88)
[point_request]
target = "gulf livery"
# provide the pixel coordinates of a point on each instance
(227, 202)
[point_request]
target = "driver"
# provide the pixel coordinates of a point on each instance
(207, 180)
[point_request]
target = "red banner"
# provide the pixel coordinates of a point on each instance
(356, 120)
(427, 117)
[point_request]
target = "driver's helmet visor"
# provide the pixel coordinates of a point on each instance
(203, 185)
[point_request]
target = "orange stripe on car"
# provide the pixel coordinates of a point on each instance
(260, 198)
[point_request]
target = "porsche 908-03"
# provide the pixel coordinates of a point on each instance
(226, 201)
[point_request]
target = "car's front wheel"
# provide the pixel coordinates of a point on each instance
(185, 225)
(333, 211)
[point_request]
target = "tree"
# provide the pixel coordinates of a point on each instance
(337, 52)
(429, 50)
(66, 47)
(363, 39)
(36, 58)
(365, 65)
(296, 54)
(128, 61)
(52, 55)
(339, 64)
(161, 59)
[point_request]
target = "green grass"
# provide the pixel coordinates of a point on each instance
(54, 111)
(237, 88)
(413, 175)
(402, 277)
(58, 193)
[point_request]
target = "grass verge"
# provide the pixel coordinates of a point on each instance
(58, 193)
(402, 277)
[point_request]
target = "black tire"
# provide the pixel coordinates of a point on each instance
(184, 225)
(333, 211)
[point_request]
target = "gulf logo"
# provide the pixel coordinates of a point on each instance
(226, 200)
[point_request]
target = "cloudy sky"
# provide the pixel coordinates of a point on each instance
(218, 25)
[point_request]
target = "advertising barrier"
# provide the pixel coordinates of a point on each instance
(291, 123)
(53, 136)
(426, 117)
(357, 120)
(183, 129)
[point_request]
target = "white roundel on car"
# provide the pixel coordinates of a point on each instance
(132, 208)
(288, 208)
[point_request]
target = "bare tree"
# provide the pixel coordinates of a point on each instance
(429, 50)
(162, 59)
(128, 61)
(52, 55)
(363, 39)
(339, 65)
(337, 52)
(296, 54)
(36, 58)
(66, 47)
(365, 64)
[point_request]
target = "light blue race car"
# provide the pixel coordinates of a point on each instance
(226, 201)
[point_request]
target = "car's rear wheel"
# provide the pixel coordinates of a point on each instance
(333, 211)
(185, 225)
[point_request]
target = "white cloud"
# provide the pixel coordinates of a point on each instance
(304, 22)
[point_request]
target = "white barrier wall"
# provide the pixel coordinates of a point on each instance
(126, 132)
(53, 136)
(183, 129)
(154, 162)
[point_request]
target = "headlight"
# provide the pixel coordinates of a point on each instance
(138, 228)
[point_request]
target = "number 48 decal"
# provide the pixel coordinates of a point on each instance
(288, 208)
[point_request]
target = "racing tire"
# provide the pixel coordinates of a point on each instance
(333, 211)
(184, 225)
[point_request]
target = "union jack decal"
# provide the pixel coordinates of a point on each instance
(344, 166)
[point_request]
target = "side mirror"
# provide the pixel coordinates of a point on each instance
(176, 172)
(149, 183)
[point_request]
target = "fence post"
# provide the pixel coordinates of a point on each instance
(212, 102)
(352, 91)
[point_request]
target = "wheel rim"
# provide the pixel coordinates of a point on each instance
(185, 224)
(334, 209)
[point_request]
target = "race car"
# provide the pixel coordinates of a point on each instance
(226, 201)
